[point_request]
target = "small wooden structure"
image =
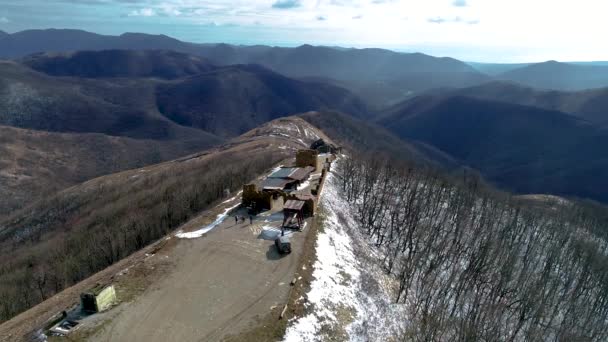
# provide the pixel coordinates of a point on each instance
(98, 299)
(293, 214)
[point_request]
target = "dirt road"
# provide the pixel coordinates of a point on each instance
(220, 284)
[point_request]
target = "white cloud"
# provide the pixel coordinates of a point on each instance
(527, 28)
(4, 20)
(143, 12)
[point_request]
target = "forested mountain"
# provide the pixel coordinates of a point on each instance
(494, 69)
(36, 164)
(590, 105)
(126, 107)
(365, 137)
(341, 64)
(520, 148)
(136, 120)
(234, 99)
(468, 263)
(224, 100)
(21, 44)
(561, 76)
(119, 63)
(71, 234)
(381, 77)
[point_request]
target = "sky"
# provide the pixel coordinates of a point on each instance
(470, 30)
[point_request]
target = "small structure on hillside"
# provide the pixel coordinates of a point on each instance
(272, 192)
(293, 214)
(98, 299)
(311, 157)
(323, 147)
(287, 178)
(300, 183)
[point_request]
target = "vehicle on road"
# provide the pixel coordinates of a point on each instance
(283, 244)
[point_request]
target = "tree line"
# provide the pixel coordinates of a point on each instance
(473, 264)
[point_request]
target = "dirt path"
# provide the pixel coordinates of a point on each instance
(221, 283)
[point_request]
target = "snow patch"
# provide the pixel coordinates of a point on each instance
(233, 198)
(198, 233)
(342, 303)
(304, 185)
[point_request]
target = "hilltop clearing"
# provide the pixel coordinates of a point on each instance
(95, 224)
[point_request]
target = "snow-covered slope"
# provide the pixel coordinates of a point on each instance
(349, 296)
(463, 263)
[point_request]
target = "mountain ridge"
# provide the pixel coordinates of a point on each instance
(164, 64)
(520, 148)
(559, 76)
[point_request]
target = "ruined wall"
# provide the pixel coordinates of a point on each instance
(106, 298)
(263, 199)
(308, 158)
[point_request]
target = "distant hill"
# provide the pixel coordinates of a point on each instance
(520, 148)
(590, 105)
(28, 42)
(35, 164)
(559, 76)
(493, 69)
(32, 100)
(119, 63)
(234, 99)
(381, 77)
(340, 64)
(601, 63)
(365, 137)
(226, 100)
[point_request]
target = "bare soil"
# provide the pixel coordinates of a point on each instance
(222, 283)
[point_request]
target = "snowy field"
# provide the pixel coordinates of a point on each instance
(349, 296)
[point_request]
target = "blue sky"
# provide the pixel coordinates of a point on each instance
(473, 30)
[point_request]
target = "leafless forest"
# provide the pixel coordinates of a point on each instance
(472, 264)
(74, 234)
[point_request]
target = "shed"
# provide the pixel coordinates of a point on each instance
(293, 213)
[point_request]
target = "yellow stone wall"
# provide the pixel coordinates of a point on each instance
(106, 298)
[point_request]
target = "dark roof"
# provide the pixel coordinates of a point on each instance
(283, 172)
(275, 183)
(300, 174)
(294, 205)
(296, 173)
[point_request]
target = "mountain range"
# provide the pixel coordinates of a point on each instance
(562, 76)
(191, 96)
(164, 64)
(523, 149)
(109, 143)
(133, 108)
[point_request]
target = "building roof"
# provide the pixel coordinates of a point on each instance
(301, 173)
(294, 205)
(275, 183)
(296, 173)
(284, 172)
